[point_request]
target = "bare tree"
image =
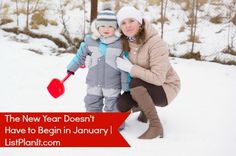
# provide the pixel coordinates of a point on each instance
(163, 15)
(194, 23)
(165, 8)
(30, 9)
(65, 32)
(27, 15)
(17, 14)
(192, 20)
(36, 5)
(84, 2)
(195, 18)
(94, 6)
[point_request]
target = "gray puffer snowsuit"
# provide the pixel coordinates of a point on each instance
(104, 79)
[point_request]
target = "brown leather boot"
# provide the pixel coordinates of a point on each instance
(142, 117)
(135, 109)
(146, 104)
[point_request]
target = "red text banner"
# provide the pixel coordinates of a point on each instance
(61, 129)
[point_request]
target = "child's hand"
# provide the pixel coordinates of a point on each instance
(70, 72)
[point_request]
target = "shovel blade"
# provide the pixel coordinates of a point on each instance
(56, 88)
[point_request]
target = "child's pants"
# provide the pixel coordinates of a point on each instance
(97, 95)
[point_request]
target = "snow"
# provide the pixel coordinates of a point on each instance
(213, 38)
(200, 121)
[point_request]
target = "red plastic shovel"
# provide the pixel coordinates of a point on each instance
(56, 87)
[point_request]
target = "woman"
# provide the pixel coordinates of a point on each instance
(154, 82)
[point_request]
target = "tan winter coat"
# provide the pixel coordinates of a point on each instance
(151, 63)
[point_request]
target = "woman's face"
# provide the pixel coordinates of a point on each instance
(130, 27)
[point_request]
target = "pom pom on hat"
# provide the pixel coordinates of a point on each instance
(129, 12)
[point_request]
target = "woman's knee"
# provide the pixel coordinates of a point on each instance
(125, 102)
(136, 82)
(157, 93)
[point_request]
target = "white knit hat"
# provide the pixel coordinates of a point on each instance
(129, 12)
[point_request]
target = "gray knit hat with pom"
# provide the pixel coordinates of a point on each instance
(106, 17)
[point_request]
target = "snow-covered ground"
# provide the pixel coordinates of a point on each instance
(200, 121)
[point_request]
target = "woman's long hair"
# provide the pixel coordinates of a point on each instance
(139, 37)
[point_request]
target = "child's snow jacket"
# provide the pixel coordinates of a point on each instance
(102, 71)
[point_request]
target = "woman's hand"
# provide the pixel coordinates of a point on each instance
(124, 64)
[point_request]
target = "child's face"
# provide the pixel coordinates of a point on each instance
(106, 31)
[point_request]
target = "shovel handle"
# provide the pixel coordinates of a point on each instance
(66, 77)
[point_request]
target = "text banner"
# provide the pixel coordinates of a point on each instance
(61, 129)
